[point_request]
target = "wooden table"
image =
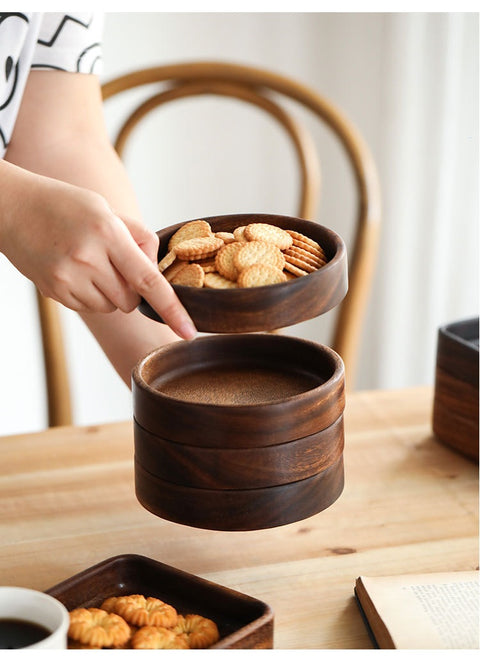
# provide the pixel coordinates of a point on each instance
(409, 504)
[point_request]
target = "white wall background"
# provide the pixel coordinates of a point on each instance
(410, 84)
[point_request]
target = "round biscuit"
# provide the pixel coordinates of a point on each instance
(227, 237)
(295, 269)
(172, 270)
(198, 248)
(217, 281)
(316, 252)
(305, 266)
(167, 261)
(259, 275)
(255, 252)
(239, 233)
(305, 239)
(268, 233)
(208, 264)
(192, 229)
(191, 275)
(300, 253)
(225, 260)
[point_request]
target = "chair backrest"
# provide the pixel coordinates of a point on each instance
(266, 90)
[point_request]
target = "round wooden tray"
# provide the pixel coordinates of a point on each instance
(239, 468)
(269, 307)
(238, 391)
(239, 509)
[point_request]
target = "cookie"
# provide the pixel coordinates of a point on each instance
(301, 263)
(258, 252)
(227, 237)
(298, 237)
(200, 631)
(191, 230)
(268, 233)
(296, 270)
(308, 257)
(76, 645)
(167, 261)
(159, 638)
(198, 248)
(217, 281)
(98, 628)
(141, 611)
(208, 264)
(315, 252)
(109, 604)
(258, 275)
(191, 275)
(225, 260)
(239, 233)
(171, 271)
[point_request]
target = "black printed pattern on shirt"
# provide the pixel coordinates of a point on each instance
(57, 41)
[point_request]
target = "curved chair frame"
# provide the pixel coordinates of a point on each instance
(255, 86)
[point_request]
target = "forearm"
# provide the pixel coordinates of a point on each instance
(79, 153)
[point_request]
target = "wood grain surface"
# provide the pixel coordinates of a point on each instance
(409, 504)
(239, 468)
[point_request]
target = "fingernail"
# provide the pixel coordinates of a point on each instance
(187, 330)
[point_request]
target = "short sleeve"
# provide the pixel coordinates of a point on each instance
(70, 42)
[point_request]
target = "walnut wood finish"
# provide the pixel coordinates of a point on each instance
(245, 310)
(219, 425)
(250, 84)
(455, 410)
(239, 468)
(243, 621)
(239, 509)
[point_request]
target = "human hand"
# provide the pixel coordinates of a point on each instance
(77, 251)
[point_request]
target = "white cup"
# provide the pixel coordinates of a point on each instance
(39, 608)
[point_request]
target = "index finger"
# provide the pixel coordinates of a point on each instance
(145, 278)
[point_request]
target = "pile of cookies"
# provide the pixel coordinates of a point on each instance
(138, 622)
(252, 255)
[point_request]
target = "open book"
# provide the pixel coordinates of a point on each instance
(421, 611)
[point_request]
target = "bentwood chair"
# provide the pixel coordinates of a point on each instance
(266, 90)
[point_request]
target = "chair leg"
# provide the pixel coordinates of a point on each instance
(56, 374)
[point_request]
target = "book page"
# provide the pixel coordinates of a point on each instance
(428, 611)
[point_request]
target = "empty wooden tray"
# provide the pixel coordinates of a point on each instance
(232, 391)
(269, 307)
(243, 621)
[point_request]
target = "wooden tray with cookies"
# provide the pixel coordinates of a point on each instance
(252, 272)
(117, 603)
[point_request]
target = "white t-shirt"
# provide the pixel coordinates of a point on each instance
(45, 40)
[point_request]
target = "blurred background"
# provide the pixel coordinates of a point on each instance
(407, 81)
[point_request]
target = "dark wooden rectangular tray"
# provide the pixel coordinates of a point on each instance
(455, 409)
(243, 621)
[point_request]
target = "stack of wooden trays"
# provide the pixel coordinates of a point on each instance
(239, 432)
(244, 430)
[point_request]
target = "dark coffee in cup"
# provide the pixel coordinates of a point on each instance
(15, 633)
